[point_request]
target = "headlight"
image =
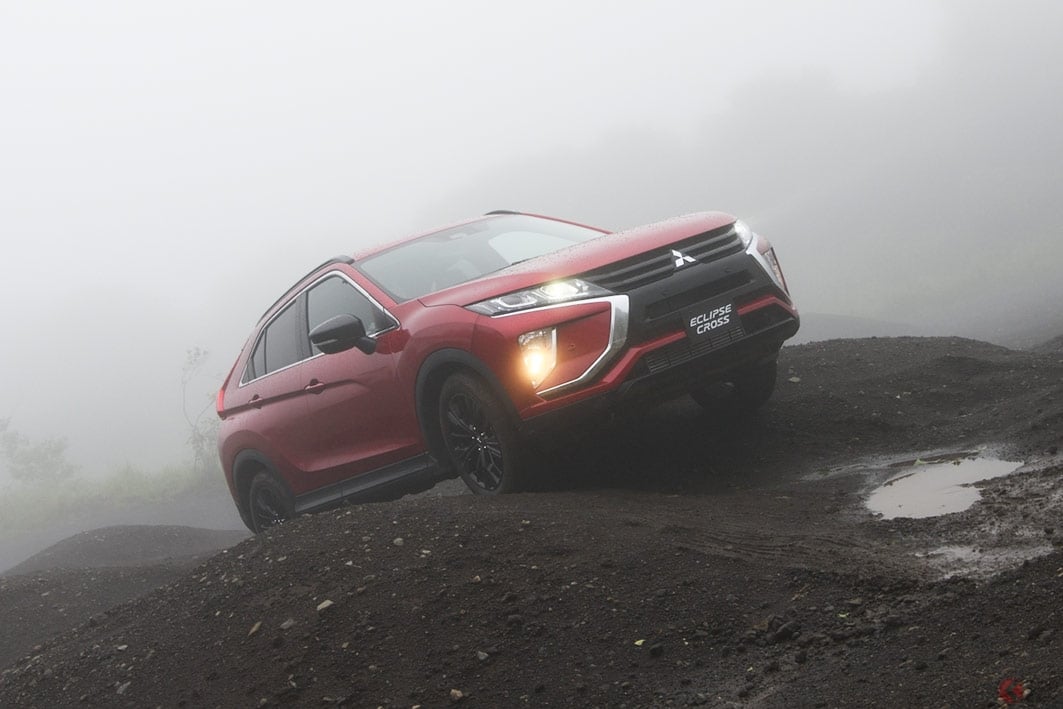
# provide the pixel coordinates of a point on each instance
(776, 269)
(744, 233)
(546, 294)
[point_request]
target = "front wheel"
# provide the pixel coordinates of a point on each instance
(479, 437)
(269, 502)
(747, 391)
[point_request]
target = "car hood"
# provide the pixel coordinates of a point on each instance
(577, 259)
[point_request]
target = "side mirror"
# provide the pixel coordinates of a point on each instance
(341, 333)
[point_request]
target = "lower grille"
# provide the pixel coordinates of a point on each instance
(684, 350)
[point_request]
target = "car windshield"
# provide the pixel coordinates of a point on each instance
(463, 253)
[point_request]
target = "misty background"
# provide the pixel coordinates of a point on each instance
(168, 169)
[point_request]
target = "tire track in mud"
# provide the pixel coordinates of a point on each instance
(747, 531)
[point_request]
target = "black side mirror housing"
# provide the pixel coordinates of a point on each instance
(341, 333)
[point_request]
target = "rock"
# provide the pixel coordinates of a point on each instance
(786, 631)
(1035, 631)
(324, 605)
(123, 687)
(287, 625)
(398, 541)
(456, 695)
(481, 655)
(254, 628)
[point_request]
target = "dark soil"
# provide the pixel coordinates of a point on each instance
(679, 559)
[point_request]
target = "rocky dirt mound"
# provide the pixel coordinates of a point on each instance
(765, 582)
(132, 545)
(90, 573)
(1053, 346)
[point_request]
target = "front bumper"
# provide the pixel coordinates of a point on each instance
(641, 387)
(659, 360)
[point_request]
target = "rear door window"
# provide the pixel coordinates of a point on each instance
(282, 341)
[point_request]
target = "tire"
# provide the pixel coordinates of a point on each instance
(747, 391)
(269, 502)
(479, 437)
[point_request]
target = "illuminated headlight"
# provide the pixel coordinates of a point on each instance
(744, 233)
(538, 349)
(546, 294)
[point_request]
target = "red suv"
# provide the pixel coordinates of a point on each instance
(446, 353)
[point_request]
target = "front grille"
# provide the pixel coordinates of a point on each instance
(679, 301)
(684, 350)
(654, 265)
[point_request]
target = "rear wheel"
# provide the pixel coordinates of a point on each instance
(481, 441)
(269, 502)
(747, 390)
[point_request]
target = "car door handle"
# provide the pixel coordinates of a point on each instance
(314, 387)
(256, 401)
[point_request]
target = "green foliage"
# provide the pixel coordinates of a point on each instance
(35, 504)
(44, 485)
(202, 424)
(26, 460)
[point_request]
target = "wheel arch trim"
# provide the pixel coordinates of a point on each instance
(245, 464)
(429, 381)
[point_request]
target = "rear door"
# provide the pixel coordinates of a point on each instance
(271, 396)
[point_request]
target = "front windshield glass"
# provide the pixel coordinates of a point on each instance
(447, 258)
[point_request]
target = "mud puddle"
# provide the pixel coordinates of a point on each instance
(936, 486)
(979, 561)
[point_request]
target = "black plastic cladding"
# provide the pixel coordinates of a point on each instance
(657, 308)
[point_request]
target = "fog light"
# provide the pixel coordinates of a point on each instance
(539, 351)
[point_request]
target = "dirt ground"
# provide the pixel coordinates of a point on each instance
(677, 560)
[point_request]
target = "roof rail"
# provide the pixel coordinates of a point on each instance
(501, 211)
(335, 259)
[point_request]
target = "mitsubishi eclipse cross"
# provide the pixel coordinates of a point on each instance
(448, 353)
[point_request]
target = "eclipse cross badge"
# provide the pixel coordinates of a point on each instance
(681, 259)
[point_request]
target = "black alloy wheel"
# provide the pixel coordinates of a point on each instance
(269, 501)
(481, 441)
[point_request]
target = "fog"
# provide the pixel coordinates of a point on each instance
(166, 170)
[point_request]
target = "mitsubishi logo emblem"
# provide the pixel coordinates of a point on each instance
(681, 259)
